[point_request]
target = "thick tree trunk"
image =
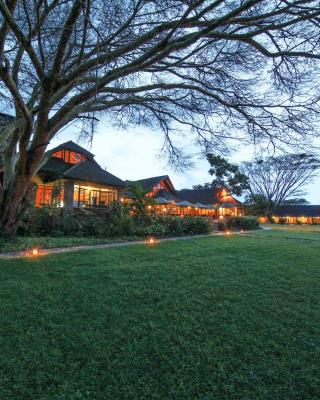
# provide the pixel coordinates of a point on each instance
(12, 205)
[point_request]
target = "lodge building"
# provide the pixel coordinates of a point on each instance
(71, 178)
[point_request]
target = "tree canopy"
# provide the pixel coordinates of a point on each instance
(281, 180)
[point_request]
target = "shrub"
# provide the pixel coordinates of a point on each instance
(69, 225)
(95, 226)
(113, 220)
(172, 225)
(39, 220)
(196, 225)
(247, 223)
(154, 229)
(117, 220)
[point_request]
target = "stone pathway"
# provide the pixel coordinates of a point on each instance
(59, 250)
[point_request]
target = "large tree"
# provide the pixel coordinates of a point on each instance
(281, 180)
(230, 70)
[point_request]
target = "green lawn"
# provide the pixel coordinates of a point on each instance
(216, 318)
(302, 232)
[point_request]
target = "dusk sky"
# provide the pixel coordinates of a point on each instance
(133, 154)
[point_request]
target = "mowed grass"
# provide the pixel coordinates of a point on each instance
(302, 232)
(216, 318)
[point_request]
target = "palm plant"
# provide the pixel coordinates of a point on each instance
(139, 199)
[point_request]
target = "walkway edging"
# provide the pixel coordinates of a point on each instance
(60, 250)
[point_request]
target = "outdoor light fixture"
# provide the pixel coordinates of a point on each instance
(241, 231)
(121, 199)
(35, 251)
(228, 233)
(149, 207)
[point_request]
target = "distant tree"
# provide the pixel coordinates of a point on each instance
(275, 181)
(226, 176)
(257, 204)
(228, 70)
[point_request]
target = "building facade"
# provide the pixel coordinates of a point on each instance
(169, 201)
(71, 178)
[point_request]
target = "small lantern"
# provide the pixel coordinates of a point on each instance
(35, 252)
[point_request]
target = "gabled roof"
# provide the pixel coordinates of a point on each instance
(204, 196)
(70, 145)
(54, 166)
(298, 211)
(149, 183)
(167, 195)
(90, 171)
(86, 171)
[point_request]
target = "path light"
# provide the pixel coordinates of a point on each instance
(151, 241)
(241, 231)
(228, 233)
(35, 251)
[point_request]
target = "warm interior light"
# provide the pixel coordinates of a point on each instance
(221, 217)
(164, 209)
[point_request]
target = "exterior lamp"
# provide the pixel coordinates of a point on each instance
(164, 209)
(228, 233)
(151, 241)
(241, 231)
(34, 251)
(149, 207)
(121, 199)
